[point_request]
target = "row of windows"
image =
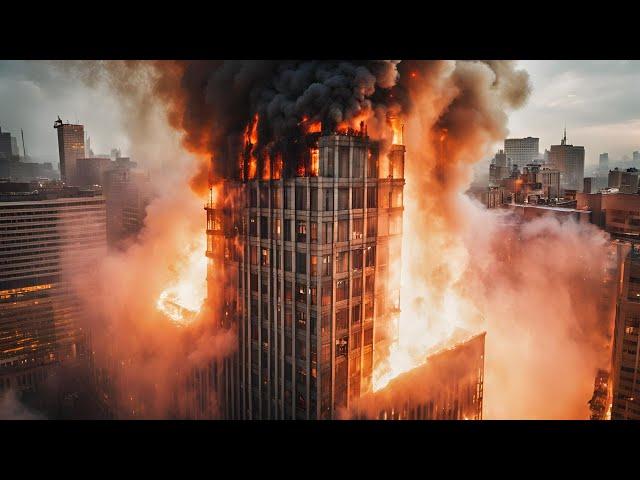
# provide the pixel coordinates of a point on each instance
(322, 232)
(324, 199)
(361, 257)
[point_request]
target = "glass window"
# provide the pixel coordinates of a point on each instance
(314, 199)
(342, 290)
(342, 262)
(301, 262)
(327, 233)
(357, 232)
(372, 197)
(343, 162)
(301, 198)
(343, 230)
(288, 260)
(328, 199)
(343, 199)
(326, 265)
(357, 197)
(301, 231)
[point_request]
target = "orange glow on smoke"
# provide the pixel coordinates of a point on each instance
(315, 127)
(396, 127)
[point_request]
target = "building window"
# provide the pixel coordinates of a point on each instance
(253, 197)
(370, 256)
(301, 231)
(342, 290)
(301, 198)
(327, 293)
(343, 162)
(327, 233)
(342, 262)
(357, 232)
(314, 232)
(314, 265)
(253, 249)
(277, 228)
(264, 227)
(357, 197)
(356, 311)
(314, 199)
(301, 293)
(342, 319)
(276, 197)
(326, 265)
(253, 227)
(287, 230)
(328, 199)
(301, 262)
(343, 199)
(372, 164)
(368, 284)
(357, 287)
(357, 166)
(372, 197)
(301, 319)
(287, 261)
(372, 227)
(264, 258)
(288, 292)
(330, 170)
(343, 230)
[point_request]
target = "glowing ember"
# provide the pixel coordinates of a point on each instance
(182, 299)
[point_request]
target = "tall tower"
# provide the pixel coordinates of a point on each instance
(70, 148)
(311, 289)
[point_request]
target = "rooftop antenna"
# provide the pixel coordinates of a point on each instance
(24, 149)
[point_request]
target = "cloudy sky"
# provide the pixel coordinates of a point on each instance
(599, 101)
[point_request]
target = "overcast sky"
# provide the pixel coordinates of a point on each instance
(599, 101)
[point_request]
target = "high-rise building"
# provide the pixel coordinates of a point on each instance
(50, 237)
(603, 164)
(569, 160)
(308, 255)
(128, 192)
(626, 369)
(617, 213)
(522, 151)
(70, 148)
(499, 169)
(90, 171)
(625, 181)
(6, 145)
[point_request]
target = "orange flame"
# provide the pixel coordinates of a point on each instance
(315, 162)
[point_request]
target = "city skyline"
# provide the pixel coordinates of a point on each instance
(595, 100)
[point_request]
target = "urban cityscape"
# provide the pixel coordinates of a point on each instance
(315, 240)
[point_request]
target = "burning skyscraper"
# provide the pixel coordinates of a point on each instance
(316, 295)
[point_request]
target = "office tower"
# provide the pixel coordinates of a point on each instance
(128, 192)
(306, 246)
(522, 151)
(90, 171)
(70, 148)
(499, 168)
(589, 185)
(6, 145)
(50, 237)
(569, 160)
(603, 164)
(625, 181)
(625, 371)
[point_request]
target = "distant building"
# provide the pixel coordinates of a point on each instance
(603, 164)
(569, 160)
(636, 159)
(624, 181)
(90, 171)
(589, 185)
(70, 148)
(499, 168)
(617, 213)
(52, 236)
(128, 192)
(6, 146)
(522, 151)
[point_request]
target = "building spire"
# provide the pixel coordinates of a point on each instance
(564, 138)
